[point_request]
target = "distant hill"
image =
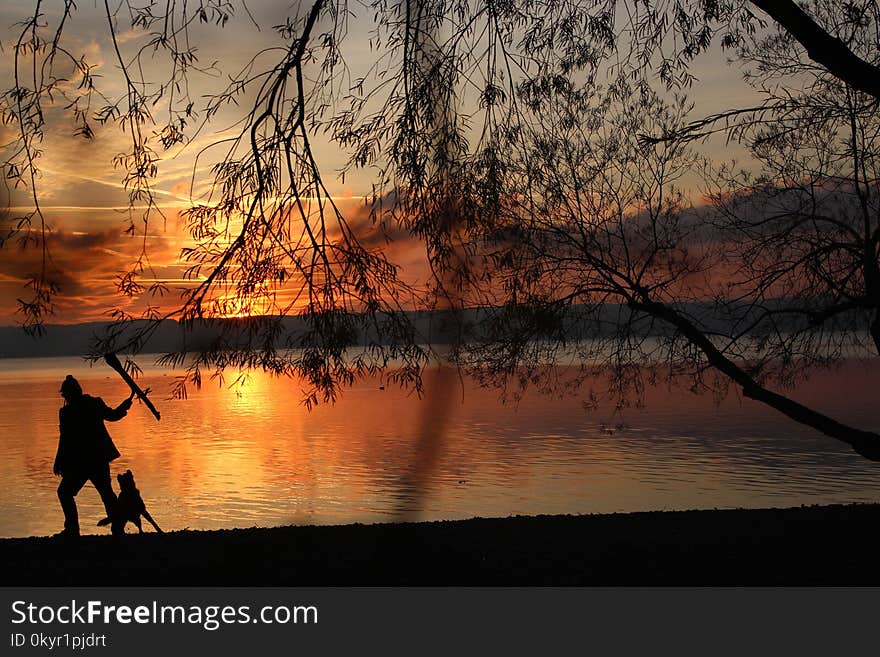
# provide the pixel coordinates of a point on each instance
(436, 327)
(70, 340)
(77, 339)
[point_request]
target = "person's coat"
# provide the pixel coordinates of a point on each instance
(84, 442)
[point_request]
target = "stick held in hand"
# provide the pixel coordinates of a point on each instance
(113, 362)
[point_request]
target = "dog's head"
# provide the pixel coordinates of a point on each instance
(126, 480)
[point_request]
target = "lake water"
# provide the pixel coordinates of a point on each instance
(256, 457)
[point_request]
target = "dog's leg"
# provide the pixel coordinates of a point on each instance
(137, 523)
(152, 522)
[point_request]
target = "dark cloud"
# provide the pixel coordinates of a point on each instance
(84, 266)
(373, 233)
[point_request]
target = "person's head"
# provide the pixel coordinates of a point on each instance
(70, 389)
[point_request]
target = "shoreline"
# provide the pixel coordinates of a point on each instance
(816, 545)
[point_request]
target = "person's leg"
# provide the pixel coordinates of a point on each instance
(101, 481)
(70, 485)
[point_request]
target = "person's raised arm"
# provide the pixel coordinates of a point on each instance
(113, 414)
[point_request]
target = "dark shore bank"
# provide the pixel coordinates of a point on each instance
(828, 545)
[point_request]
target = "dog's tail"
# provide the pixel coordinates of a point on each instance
(105, 521)
(152, 522)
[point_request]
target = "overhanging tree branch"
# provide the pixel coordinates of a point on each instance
(822, 47)
(865, 443)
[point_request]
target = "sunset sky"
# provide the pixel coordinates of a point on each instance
(81, 193)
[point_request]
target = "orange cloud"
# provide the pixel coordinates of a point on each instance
(84, 265)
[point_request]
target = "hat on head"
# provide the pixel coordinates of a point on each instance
(70, 385)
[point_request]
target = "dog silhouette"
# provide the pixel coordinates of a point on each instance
(129, 507)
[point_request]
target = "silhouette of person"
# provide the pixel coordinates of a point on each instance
(85, 450)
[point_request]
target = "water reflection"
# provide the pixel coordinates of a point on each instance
(254, 456)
